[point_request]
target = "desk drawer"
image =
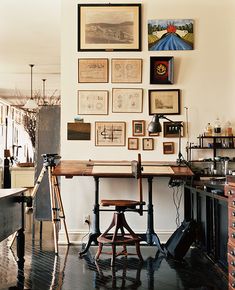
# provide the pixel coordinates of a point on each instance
(229, 190)
(231, 282)
(231, 214)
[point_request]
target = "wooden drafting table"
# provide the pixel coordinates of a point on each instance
(120, 169)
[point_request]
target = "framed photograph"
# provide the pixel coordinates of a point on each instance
(171, 129)
(127, 100)
(148, 143)
(78, 131)
(161, 69)
(166, 102)
(109, 27)
(124, 70)
(168, 148)
(110, 133)
(170, 34)
(93, 102)
(133, 143)
(138, 127)
(93, 70)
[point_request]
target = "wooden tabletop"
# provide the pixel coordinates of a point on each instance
(10, 191)
(70, 168)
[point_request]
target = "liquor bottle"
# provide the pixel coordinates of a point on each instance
(228, 129)
(208, 130)
(217, 127)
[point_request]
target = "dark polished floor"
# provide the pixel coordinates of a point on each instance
(43, 270)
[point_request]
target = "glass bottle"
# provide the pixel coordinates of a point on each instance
(228, 129)
(208, 130)
(217, 127)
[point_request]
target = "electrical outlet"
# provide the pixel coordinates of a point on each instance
(86, 219)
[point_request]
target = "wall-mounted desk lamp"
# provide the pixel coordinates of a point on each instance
(156, 127)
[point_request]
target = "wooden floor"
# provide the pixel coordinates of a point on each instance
(44, 270)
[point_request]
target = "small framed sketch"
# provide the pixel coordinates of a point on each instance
(138, 127)
(127, 100)
(93, 70)
(112, 27)
(133, 143)
(161, 69)
(168, 148)
(110, 133)
(92, 102)
(166, 102)
(148, 143)
(124, 70)
(172, 129)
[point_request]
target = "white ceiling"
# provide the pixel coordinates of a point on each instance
(29, 34)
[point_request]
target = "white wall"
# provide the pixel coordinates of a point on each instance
(204, 76)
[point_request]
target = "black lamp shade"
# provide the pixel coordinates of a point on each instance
(155, 126)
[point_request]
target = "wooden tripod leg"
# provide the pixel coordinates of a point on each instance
(53, 210)
(61, 208)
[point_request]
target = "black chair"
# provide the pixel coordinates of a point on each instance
(123, 235)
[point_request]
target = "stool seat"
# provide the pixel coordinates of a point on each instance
(119, 239)
(120, 202)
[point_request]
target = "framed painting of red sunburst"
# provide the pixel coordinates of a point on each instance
(170, 34)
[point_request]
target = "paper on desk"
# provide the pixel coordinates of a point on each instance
(157, 169)
(111, 169)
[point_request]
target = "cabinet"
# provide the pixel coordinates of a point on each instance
(213, 148)
(230, 192)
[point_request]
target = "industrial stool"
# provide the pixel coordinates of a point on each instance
(119, 223)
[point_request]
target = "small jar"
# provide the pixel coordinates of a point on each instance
(217, 127)
(228, 129)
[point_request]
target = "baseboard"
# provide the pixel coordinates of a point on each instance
(79, 237)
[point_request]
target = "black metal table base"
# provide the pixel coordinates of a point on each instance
(151, 238)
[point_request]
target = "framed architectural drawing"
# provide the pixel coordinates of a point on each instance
(148, 143)
(138, 127)
(124, 70)
(92, 102)
(166, 102)
(127, 100)
(110, 133)
(161, 69)
(133, 143)
(109, 27)
(93, 70)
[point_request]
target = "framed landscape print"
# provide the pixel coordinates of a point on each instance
(78, 131)
(138, 127)
(110, 133)
(166, 102)
(109, 27)
(124, 70)
(133, 143)
(161, 70)
(148, 143)
(92, 102)
(127, 100)
(170, 34)
(171, 129)
(93, 70)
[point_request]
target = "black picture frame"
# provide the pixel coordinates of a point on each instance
(171, 129)
(124, 35)
(161, 70)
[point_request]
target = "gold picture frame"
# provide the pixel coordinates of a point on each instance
(110, 133)
(93, 70)
(126, 70)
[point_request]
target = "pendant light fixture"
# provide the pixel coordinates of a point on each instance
(31, 103)
(44, 92)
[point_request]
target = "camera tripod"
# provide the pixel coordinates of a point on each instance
(57, 209)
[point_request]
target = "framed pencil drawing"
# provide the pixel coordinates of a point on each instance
(109, 27)
(166, 102)
(124, 70)
(110, 133)
(92, 102)
(133, 143)
(127, 100)
(161, 69)
(148, 143)
(138, 127)
(93, 70)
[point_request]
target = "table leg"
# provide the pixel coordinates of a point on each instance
(95, 231)
(151, 237)
(20, 258)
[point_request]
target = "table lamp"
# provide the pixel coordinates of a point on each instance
(156, 127)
